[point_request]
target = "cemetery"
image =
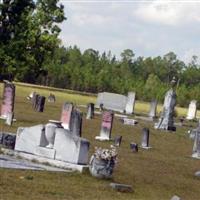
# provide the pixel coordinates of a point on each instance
(126, 150)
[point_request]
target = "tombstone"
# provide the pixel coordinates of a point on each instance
(134, 147)
(117, 141)
(196, 146)
(166, 120)
(121, 187)
(145, 139)
(153, 108)
(7, 140)
(8, 99)
(31, 95)
(101, 107)
(51, 98)
(192, 110)
(90, 111)
(66, 115)
(175, 197)
(131, 122)
(76, 123)
(64, 146)
(34, 100)
(9, 119)
(112, 101)
(106, 126)
(40, 103)
(130, 103)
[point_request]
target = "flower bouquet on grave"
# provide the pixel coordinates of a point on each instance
(102, 162)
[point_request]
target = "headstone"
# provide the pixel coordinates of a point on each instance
(34, 100)
(66, 115)
(197, 174)
(51, 98)
(134, 147)
(90, 111)
(131, 122)
(106, 126)
(153, 108)
(101, 107)
(175, 197)
(8, 140)
(145, 138)
(112, 101)
(192, 110)
(196, 146)
(117, 141)
(76, 122)
(9, 119)
(8, 99)
(166, 121)
(130, 103)
(40, 103)
(31, 95)
(64, 146)
(121, 187)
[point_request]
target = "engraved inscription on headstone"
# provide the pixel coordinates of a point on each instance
(192, 110)
(106, 126)
(8, 99)
(66, 115)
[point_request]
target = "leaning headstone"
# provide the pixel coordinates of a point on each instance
(66, 115)
(117, 141)
(175, 197)
(40, 104)
(90, 111)
(134, 147)
(106, 126)
(166, 121)
(145, 139)
(8, 99)
(121, 187)
(51, 98)
(130, 103)
(192, 110)
(153, 108)
(196, 146)
(76, 123)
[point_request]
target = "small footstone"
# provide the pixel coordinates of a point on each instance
(121, 187)
(175, 198)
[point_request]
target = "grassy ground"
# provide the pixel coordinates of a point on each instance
(156, 174)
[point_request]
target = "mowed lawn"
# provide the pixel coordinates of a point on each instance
(156, 174)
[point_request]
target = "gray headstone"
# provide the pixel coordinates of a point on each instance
(121, 187)
(40, 103)
(134, 147)
(166, 121)
(117, 140)
(90, 111)
(8, 99)
(66, 115)
(192, 110)
(175, 197)
(106, 126)
(9, 119)
(130, 103)
(145, 138)
(153, 108)
(8, 140)
(76, 123)
(131, 122)
(196, 146)
(51, 98)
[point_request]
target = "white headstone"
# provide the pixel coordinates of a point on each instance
(192, 110)
(153, 108)
(130, 103)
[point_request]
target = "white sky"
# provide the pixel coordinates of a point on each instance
(149, 28)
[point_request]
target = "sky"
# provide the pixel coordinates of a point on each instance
(148, 28)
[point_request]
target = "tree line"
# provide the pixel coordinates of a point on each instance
(30, 51)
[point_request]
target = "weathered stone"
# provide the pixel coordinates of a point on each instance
(8, 99)
(130, 103)
(8, 140)
(118, 140)
(51, 98)
(90, 111)
(66, 115)
(192, 110)
(121, 187)
(134, 147)
(106, 126)
(153, 108)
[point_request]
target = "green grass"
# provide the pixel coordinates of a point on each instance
(156, 174)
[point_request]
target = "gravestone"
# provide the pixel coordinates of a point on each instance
(51, 98)
(7, 140)
(134, 147)
(175, 197)
(34, 100)
(8, 101)
(131, 122)
(40, 102)
(166, 120)
(112, 101)
(153, 108)
(196, 146)
(66, 115)
(90, 111)
(117, 141)
(9, 119)
(192, 110)
(130, 103)
(145, 139)
(121, 187)
(61, 145)
(76, 123)
(106, 126)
